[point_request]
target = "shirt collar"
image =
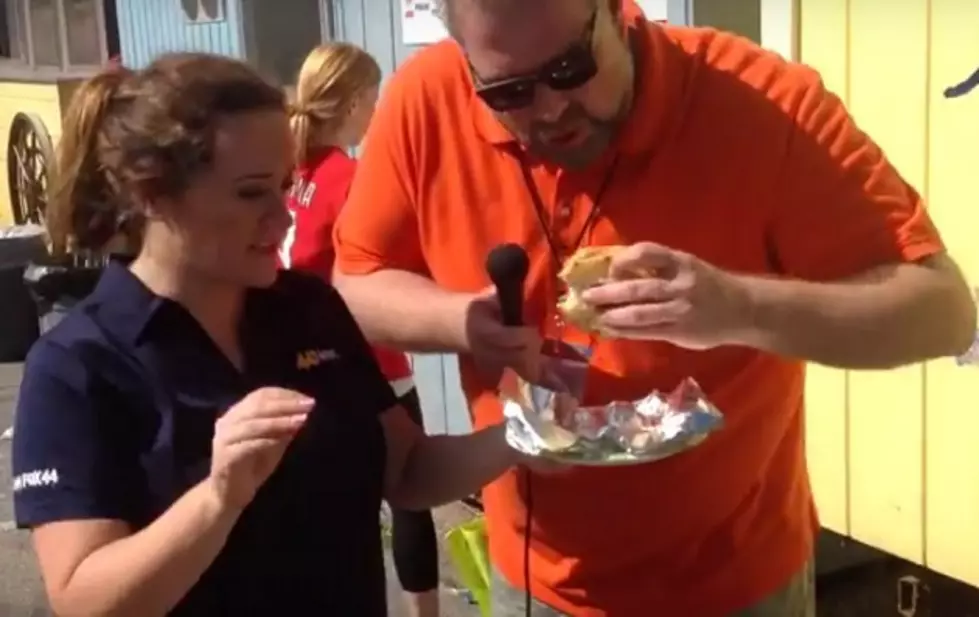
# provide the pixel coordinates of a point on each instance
(659, 88)
(128, 308)
(126, 305)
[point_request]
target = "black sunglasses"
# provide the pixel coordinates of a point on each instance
(572, 69)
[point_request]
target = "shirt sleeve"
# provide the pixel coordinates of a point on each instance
(374, 392)
(378, 226)
(841, 207)
(378, 394)
(68, 462)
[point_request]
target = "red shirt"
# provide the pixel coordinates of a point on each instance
(318, 194)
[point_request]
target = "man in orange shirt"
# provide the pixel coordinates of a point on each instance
(778, 232)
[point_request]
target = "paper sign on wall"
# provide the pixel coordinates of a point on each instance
(655, 10)
(420, 24)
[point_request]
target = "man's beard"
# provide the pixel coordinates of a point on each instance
(601, 133)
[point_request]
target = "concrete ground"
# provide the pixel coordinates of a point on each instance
(867, 591)
(20, 592)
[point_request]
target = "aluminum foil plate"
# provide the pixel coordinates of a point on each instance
(547, 422)
(971, 356)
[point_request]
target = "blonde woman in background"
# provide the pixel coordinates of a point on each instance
(334, 101)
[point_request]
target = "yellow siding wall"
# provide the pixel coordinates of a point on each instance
(894, 456)
(41, 99)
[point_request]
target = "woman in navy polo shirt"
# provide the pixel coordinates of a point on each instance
(203, 436)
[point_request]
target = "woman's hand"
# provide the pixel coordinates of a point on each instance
(250, 439)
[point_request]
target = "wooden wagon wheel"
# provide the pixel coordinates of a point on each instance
(30, 157)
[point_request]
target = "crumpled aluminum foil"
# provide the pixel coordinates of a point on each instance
(548, 422)
(971, 356)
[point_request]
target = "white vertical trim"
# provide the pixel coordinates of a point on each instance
(335, 9)
(679, 12)
(244, 31)
(328, 21)
(62, 17)
(780, 27)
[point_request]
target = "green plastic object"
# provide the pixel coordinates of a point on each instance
(469, 552)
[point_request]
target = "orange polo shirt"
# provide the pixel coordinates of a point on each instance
(730, 154)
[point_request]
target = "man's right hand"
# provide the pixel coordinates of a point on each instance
(495, 346)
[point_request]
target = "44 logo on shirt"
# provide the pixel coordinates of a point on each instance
(312, 358)
(35, 479)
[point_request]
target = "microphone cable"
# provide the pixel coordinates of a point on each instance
(528, 519)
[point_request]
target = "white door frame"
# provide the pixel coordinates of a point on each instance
(780, 27)
(329, 24)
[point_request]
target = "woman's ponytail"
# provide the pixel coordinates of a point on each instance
(301, 125)
(84, 209)
(331, 78)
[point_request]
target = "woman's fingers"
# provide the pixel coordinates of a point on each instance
(249, 429)
(245, 449)
(266, 402)
(275, 402)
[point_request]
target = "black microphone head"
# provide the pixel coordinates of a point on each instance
(507, 263)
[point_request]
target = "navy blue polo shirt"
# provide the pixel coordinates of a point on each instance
(115, 420)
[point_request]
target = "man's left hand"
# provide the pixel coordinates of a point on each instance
(657, 293)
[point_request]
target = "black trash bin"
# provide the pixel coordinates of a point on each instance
(58, 284)
(19, 246)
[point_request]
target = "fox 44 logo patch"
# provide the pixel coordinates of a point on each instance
(38, 478)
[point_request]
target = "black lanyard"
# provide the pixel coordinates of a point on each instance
(541, 211)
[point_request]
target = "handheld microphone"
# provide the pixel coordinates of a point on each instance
(507, 266)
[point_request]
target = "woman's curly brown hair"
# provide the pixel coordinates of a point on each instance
(132, 136)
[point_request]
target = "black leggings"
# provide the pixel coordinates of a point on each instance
(416, 557)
